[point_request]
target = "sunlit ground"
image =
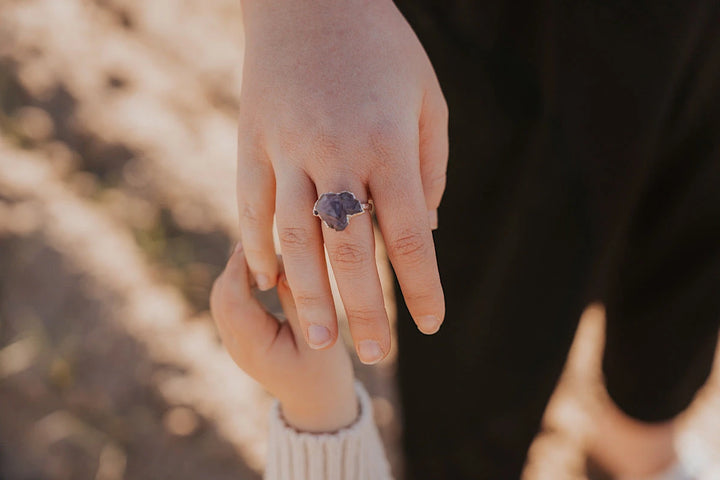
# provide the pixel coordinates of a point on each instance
(117, 146)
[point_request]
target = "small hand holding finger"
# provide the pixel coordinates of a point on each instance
(315, 388)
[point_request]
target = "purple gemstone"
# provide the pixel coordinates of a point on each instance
(335, 208)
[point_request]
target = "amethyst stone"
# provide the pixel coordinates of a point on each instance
(335, 209)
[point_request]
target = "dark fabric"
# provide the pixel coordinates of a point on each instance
(584, 166)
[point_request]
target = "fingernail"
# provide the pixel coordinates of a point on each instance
(263, 282)
(433, 218)
(369, 352)
(318, 336)
(428, 324)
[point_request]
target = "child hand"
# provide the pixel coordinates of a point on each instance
(315, 387)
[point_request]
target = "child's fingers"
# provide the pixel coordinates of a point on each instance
(236, 269)
(233, 304)
(288, 305)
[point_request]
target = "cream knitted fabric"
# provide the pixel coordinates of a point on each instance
(353, 453)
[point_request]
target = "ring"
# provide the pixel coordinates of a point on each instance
(336, 209)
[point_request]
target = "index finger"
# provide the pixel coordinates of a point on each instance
(402, 215)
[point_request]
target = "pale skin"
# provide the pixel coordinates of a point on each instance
(315, 387)
(627, 447)
(341, 96)
(336, 95)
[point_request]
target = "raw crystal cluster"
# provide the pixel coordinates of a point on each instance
(335, 209)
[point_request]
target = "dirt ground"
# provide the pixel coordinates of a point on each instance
(117, 211)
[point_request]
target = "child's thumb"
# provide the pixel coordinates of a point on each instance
(237, 312)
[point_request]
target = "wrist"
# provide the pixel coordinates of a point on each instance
(329, 415)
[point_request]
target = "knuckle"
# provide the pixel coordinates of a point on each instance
(328, 144)
(289, 138)
(426, 296)
(308, 300)
(258, 257)
(348, 255)
(387, 138)
(409, 244)
(294, 239)
(250, 217)
(321, 136)
(327, 141)
(364, 316)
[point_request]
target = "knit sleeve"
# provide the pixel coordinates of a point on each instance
(353, 453)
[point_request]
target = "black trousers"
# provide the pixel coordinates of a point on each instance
(584, 166)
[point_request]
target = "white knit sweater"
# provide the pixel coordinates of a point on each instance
(353, 453)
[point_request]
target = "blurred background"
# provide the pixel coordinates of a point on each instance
(117, 211)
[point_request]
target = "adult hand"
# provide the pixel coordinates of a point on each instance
(340, 95)
(315, 389)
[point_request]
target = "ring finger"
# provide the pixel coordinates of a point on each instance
(352, 257)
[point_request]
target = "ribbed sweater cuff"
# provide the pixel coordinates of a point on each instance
(353, 453)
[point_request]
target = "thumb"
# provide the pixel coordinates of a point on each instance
(238, 313)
